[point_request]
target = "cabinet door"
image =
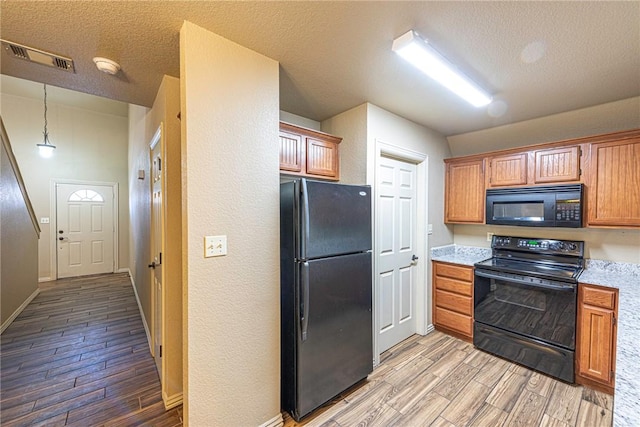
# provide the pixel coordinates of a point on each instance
(291, 152)
(596, 343)
(614, 190)
(557, 165)
(322, 157)
(464, 192)
(508, 170)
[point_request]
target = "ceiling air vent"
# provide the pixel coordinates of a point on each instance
(38, 56)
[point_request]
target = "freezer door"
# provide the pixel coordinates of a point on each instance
(334, 348)
(335, 219)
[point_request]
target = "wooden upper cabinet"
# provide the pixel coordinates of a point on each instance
(508, 170)
(464, 192)
(309, 153)
(614, 183)
(291, 151)
(556, 165)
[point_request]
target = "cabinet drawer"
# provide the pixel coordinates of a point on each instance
(455, 286)
(599, 297)
(455, 272)
(454, 302)
(454, 321)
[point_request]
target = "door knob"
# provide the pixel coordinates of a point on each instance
(414, 258)
(152, 265)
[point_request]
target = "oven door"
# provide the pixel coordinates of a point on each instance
(536, 308)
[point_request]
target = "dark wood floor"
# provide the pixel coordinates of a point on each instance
(78, 355)
(438, 380)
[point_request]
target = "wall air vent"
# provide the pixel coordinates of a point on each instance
(38, 56)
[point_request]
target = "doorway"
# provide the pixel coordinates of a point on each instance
(157, 236)
(85, 235)
(400, 285)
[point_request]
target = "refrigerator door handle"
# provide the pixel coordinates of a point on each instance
(304, 238)
(304, 309)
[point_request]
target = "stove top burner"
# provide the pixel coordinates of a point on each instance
(531, 268)
(548, 258)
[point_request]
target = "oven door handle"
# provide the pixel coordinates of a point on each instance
(560, 288)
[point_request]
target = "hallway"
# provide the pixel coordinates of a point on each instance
(78, 355)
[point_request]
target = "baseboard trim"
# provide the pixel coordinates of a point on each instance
(430, 328)
(171, 401)
(144, 320)
(276, 421)
(16, 313)
(123, 270)
(45, 279)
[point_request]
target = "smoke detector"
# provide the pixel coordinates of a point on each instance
(38, 56)
(106, 65)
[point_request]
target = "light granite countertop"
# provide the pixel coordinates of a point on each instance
(622, 276)
(456, 254)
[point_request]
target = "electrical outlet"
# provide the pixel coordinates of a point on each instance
(429, 228)
(215, 246)
(489, 236)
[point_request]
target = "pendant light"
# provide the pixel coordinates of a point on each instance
(46, 148)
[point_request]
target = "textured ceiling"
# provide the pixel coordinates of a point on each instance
(537, 58)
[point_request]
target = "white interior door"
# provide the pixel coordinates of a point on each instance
(85, 229)
(396, 250)
(156, 247)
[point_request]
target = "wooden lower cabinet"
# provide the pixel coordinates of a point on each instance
(596, 337)
(453, 299)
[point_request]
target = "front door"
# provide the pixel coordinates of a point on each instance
(396, 250)
(156, 247)
(85, 229)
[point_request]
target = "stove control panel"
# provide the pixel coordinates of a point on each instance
(569, 247)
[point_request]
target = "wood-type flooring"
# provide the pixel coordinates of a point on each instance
(78, 355)
(438, 380)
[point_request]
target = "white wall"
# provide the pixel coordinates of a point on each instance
(230, 165)
(91, 146)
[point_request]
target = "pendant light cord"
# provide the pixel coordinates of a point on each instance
(46, 134)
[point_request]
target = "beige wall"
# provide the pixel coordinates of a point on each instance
(140, 210)
(351, 126)
(606, 244)
(143, 126)
(18, 244)
(91, 146)
(294, 119)
(230, 157)
(605, 118)
(392, 129)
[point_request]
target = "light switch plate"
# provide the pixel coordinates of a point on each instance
(489, 236)
(44, 220)
(215, 246)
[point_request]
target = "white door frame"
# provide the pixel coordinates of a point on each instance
(155, 140)
(53, 213)
(421, 161)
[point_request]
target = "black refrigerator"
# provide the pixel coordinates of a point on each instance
(326, 291)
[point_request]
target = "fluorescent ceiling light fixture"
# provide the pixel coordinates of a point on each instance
(422, 55)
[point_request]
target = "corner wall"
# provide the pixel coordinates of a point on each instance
(230, 165)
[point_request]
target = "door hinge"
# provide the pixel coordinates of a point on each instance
(160, 258)
(614, 319)
(160, 351)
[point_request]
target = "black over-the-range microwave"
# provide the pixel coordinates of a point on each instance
(543, 206)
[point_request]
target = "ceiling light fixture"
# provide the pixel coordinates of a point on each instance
(423, 56)
(46, 148)
(106, 65)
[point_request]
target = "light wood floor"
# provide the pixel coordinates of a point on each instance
(438, 380)
(78, 355)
